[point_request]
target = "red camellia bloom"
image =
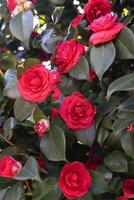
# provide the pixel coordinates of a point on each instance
(11, 4)
(37, 82)
(9, 167)
(106, 29)
(74, 180)
(122, 198)
(128, 188)
(93, 163)
(76, 20)
(77, 111)
(57, 93)
(92, 74)
(130, 127)
(41, 127)
(68, 54)
(97, 8)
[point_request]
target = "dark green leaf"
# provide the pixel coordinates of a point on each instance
(16, 192)
(102, 136)
(7, 62)
(21, 26)
(127, 105)
(53, 145)
(101, 58)
(57, 13)
(116, 161)
(99, 186)
(6, 182)
(38, 114)
(81, 70)
(125, 44)
(23, 108)
(29, 171)
(8, 127)
(127, 143)
(88, 196)
(47, 190)
(125, 83)
(86, 136)
(3, 194)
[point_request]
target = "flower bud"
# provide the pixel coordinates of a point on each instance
(9, 167)
(20, 8)
(41, 127)
(28, 5)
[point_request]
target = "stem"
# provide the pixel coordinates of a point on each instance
(28, 187)
(7, 141)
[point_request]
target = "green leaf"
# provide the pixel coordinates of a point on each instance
(121, 124)
(57, 13)
(6, 182)
(88, 196)
(53, 145)
(86, 136)
(47, 190)
(8, 62)
(3, 194)
(30, 61)
(102, 136)
(23, 108)
(99, 185)
(11, 90)
(125, 83)
(127, 143)
(117, 162)
(81, 70)
(21, 26)
(8, 127)
(16, 192)
(124, 44)
(127, 105)
(29, 171)
(101, 58)
(38, 114)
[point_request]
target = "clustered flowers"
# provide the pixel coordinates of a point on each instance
(37, 83)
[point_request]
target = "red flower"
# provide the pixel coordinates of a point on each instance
(128, 188)
(57, 93)
(97, 8)
(11, 4)
(41, 162)
(74, 180)
(9, 167)
(130, 127)
(121, 198)
(92, 74)
(41, 127)
(77, 111)
(93, 163)
(54, 112)
(106, 29)
(76, 20)
(36, 83)
(68, 54)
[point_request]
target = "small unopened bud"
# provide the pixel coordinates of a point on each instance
(42, 126)
(28, 5)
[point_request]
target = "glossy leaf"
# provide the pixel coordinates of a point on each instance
(53, 145)
(21, 26)
(125, 44)
(127, 143)
(116, 161)
(101, 58)
(8, 127)
(29, 171)
(124, 83)
(86, 136)
(23, 108)
(81, 70)
(88, 196)
(16, 192)
(47, 190)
